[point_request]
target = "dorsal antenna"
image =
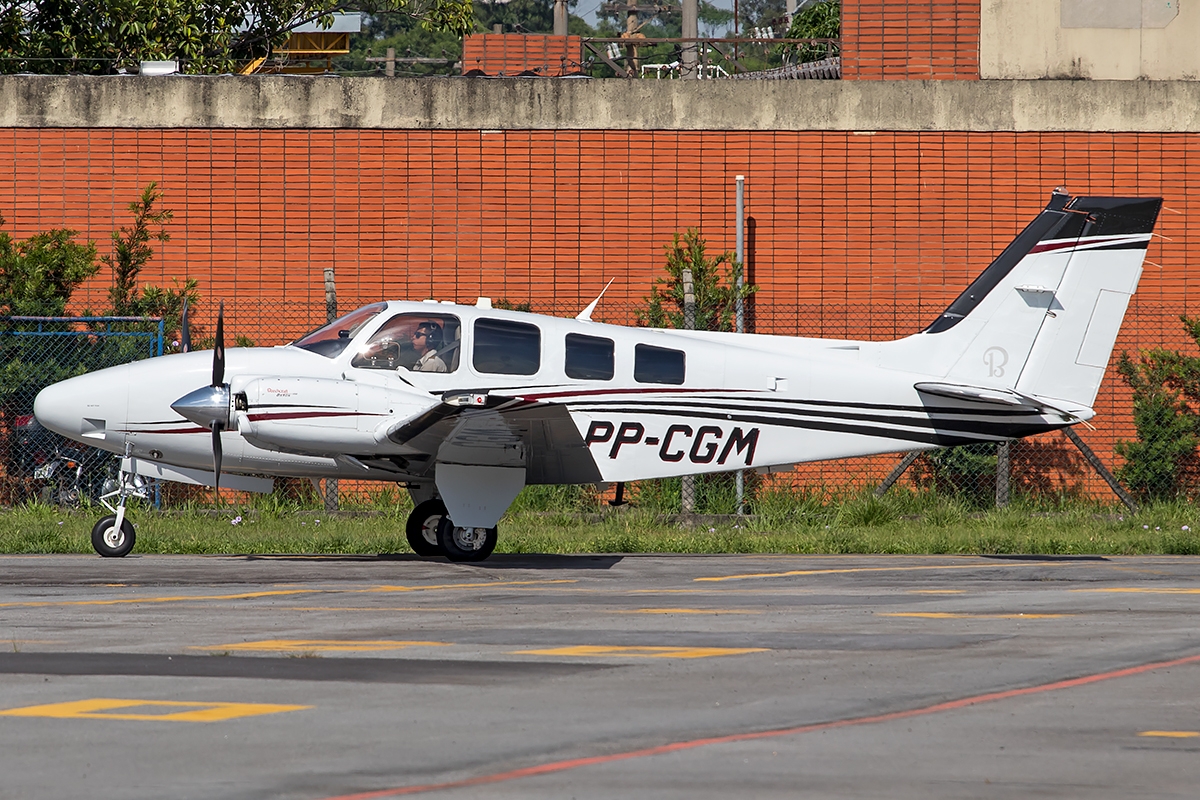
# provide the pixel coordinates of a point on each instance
(586, 314)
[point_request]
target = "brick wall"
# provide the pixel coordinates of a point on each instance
(913, 40)
(857, 235)
(518, 53)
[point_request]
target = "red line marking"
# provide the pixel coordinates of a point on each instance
(674, 747)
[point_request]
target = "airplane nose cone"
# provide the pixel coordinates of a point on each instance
(85, 407)
(205, 406)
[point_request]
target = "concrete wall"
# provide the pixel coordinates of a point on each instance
(1096, 39)
(537, 104)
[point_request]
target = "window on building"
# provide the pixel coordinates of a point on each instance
(589, 358)
(657, 364)
(503, 347)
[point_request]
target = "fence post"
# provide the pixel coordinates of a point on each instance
(687, 488)
(1003, 471)
(331, 484)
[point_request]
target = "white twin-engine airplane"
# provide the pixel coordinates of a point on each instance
(465, 405)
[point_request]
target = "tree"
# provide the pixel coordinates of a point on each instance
(209, 36)
(38, 275)
(132, 250)
(1166, 416)
(714, 283)
(820, 20)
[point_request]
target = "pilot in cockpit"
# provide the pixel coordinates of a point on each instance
(426, 341)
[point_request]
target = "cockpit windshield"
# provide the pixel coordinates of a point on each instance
(330, 340)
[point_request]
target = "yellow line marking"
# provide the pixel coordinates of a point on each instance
(1139, 590)
(846, 570)
(688, 611)
(279, 609)
(485, 585)
(938, 591)
(641, 652)
(102, 708)
(319, 645)
(953, 615)
(272, 593)
(1171, 734)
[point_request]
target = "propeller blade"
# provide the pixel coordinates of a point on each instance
(185, 335)
(219, 349)
(216, 457)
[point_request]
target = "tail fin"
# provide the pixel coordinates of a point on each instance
(1043, 318)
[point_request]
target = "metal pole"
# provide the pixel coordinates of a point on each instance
(331, 484)
(687, 487)
(739, 282)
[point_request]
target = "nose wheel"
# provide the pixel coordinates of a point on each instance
(112, 538)
(465, 544)
(422, 526)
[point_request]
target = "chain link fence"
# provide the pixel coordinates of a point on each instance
(1046, 469)
(36, 352)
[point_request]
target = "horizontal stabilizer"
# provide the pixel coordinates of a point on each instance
(976, 394)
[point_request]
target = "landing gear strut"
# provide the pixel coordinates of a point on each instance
(113, 536)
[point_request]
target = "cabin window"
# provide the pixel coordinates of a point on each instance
(657, 364)
(589, 358)
(413, 342)
(330, 340)
(504, 347)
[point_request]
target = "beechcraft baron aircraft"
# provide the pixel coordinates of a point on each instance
(465, 405)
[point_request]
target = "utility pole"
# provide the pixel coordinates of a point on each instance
(691, 30)
(632, 9)
(560, 17)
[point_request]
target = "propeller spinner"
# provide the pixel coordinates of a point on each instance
(210, 406)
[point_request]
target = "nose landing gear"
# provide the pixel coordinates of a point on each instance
(113, 536)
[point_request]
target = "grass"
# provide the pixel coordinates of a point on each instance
(557, 520)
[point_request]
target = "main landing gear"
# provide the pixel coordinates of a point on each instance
(113, 536)
(430, 532)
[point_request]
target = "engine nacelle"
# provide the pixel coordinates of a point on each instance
(322, 416)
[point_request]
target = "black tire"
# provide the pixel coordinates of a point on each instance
(421, 528)
(110, 543)
(456, 545)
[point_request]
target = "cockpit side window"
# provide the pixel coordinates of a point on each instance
(657, 364)
(412, 341)
(330, 340)
(504, 347)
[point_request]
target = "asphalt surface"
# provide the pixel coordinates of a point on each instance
(599, 677)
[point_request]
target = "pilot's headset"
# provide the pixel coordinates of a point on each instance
(433, 334)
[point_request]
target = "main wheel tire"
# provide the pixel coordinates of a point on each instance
(465, 544)
(110, 542)
(422, 527)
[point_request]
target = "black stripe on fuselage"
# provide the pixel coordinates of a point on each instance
(985, 431)
(798, 404)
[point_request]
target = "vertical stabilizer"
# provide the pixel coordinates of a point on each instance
(1076, 339)
(1043, 317)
